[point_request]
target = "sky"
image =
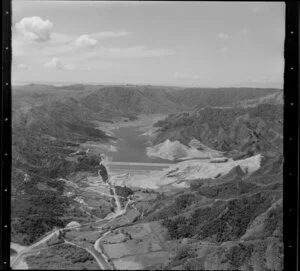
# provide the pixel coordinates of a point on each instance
(202, 44)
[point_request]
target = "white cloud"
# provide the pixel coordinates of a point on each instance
(92, 39)
(35, 28)
(23, 66)
(224, 49)
(85, 41)
(186, 76)
(54, 63)
(60, 45)
(223, 36)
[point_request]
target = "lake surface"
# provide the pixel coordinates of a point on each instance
(131, 146)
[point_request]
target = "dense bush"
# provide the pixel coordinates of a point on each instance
(274, 221)
(181, 202)
(225, 190)
(196, 184)
(180, 227)
(239, 254)
(38, 211)
(36, 226)
(123, 191)
(184, 252)
(223, 221)
(194, 264)
(72, 253)
(183, 255)
(88, 163)
(60, 168)
(103, 173)
(233, 223)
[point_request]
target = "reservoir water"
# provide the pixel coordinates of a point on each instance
(131, 146)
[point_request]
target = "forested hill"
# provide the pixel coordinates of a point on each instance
(246, 130)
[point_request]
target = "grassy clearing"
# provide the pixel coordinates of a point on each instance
(90, 236)
(142, 247)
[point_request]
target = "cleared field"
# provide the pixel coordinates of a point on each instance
(127, 263)
(143, 246)
(131, 247)
(152, 231)
(113, 238)
(116, 251)
(152, 260)
(93, 198)
(91, 235)
(129, 217)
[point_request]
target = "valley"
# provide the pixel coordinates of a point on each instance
(146, 178)
(132, 139)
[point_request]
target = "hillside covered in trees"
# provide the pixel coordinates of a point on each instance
(247, 131)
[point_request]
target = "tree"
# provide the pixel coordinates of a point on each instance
(161, 196)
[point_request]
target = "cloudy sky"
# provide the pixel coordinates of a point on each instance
(160, 43)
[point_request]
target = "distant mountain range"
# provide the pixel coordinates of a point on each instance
(60, 111)
(274, 98)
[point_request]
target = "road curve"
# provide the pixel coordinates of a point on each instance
(101, 265)
(16, 261)
(118, 212)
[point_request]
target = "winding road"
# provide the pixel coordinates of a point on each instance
(18, 261)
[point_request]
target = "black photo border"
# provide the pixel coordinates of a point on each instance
(5, 136)
(291, 137)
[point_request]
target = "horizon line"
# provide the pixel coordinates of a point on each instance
(58, 84)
